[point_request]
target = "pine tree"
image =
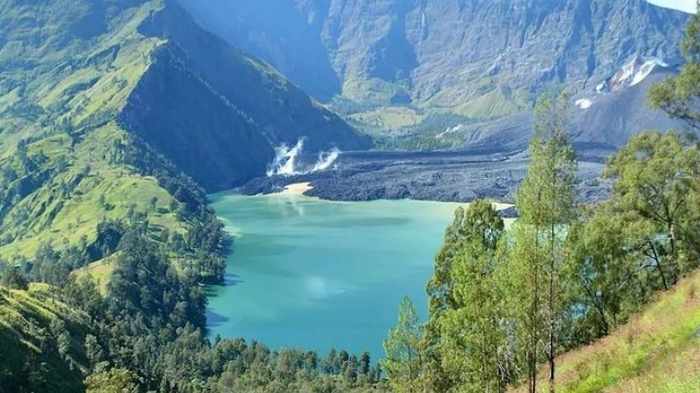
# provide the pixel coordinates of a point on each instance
(402, 362)
(471, 333)
(441, 298)
(546, 204)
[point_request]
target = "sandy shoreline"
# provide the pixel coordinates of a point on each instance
(502, 206)
(296, 189)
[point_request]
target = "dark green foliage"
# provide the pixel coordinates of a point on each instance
(40, 343)
(678, 96)
(73, 134)
(53, 267)
(605, 283)
(657, 187)
(475, 227)
(13, 278)
(402, 348)
(564, 276)
(109, 234)
(472, 341)
(145, 283)
(148, 332)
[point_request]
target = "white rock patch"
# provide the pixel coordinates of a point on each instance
(584, 103)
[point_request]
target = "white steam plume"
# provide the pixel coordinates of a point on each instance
(286, 161)
(325, 160)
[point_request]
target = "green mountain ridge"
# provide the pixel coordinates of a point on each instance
(99, 99)
(247, 96)
(38, 329)
(117, 117)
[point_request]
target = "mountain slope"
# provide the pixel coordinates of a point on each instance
(221, 91)
(37, 329)
(609, 115)
(480, 60)
(657, 351)
(110, 107)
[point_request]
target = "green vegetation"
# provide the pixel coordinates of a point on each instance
(651, 353)
(473, 293)
(564, 276)
(106, 241)
(68, 164)
(402, 363)
(41, 341)
(504, 304)
(390, 118)
(496, 103)
(678, 95)
(98, 206)
(145, 329)
(547, 204)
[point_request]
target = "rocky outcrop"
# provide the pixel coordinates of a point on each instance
(460, 176)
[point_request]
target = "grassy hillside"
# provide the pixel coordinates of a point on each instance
(658, 351)
(36, 329)
(116, 119)
(106, 109)
(77, 189)
(63, 155)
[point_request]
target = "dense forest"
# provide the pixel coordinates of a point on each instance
(146, 330)
(504, 302)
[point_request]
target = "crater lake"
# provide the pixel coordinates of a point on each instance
(314, 274)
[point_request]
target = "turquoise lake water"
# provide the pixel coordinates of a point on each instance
(317, 275)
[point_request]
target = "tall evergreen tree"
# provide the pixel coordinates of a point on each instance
(546, 204)
(471, 334)
(402, 362)
(467, 227)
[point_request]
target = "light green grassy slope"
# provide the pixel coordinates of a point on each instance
(69, 203)
(658, 351)
(104, 103)
(30, 324)
(62, 94)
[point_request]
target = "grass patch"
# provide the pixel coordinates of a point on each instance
(100, 271)
(26, 319)
(657, 351)
(388, 118)
(68, 207)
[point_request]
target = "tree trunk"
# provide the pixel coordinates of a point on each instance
(552, 264)
(674, 256)
(657, 258)
(535, 320)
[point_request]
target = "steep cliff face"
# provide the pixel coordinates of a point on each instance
(479, 59)
(526, 44)
(443, 52)
(218, 113)
(207, 107)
